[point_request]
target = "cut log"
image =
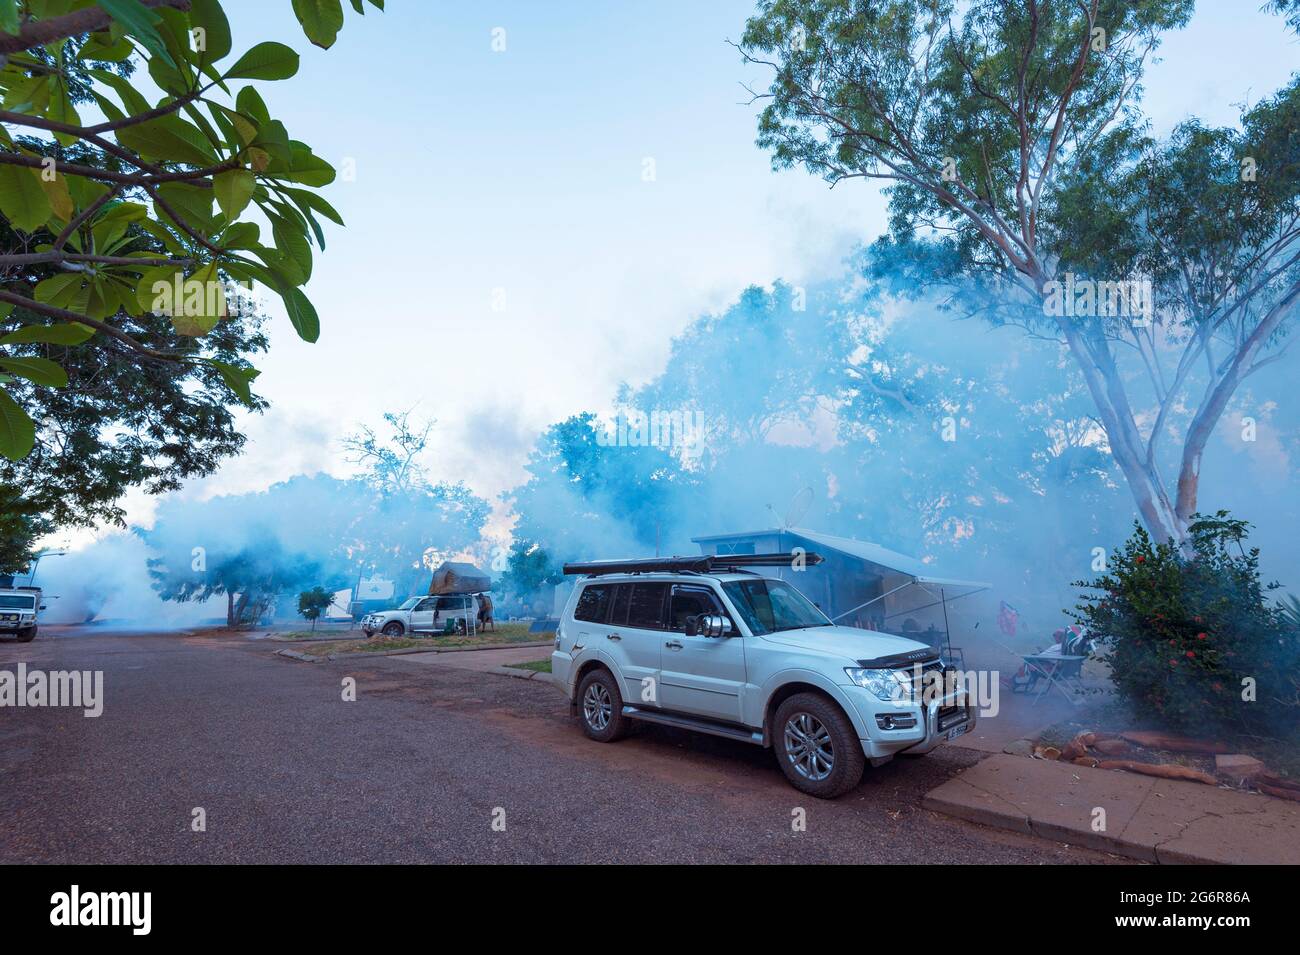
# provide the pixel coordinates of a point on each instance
(1092, 761)
(1178, 744)
(1047, 752)
(1163, 770)
(1279, 782)
(1073, 750)
(1280, 792)
(1112, 747)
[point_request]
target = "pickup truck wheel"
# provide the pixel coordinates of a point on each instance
(816, 746)
(393, 629)
(27, 636)
(600, 707)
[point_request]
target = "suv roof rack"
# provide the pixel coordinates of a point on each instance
(707, 564)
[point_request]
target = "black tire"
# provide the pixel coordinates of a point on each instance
(838, 752)
(393, 628)
(601, 715)
(27, 636)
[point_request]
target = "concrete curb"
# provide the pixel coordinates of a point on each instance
(1146, 818)
(517, 673)
(324, 657)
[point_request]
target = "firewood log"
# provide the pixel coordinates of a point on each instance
(1280, 792)
(1163, 770)
(1179, 744)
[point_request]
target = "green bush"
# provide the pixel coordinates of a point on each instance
(1190, 638)
(312, 603)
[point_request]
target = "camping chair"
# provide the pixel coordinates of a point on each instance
(1047, 670)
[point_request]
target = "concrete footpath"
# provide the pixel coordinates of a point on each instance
(496, 660)
(1155, 820)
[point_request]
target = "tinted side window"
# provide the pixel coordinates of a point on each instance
(690, 603)
(647, 607)
(593, 603)
(622, 597)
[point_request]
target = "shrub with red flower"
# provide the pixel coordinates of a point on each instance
(1207, 603)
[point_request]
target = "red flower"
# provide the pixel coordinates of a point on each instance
(1141, 559)
(1190, 655)
(1201, 636)
(1173, 663)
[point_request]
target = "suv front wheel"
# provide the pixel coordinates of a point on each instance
(393, 629)
(600, 707)
(816, 746)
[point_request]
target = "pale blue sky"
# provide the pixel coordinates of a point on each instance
(521, 171)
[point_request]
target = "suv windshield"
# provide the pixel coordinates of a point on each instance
(771, 605)
(409, 603)
(16, 602)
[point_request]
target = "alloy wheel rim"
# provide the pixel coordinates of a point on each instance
(597, 707)
(808, 747)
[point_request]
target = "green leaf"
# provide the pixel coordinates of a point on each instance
(234, 189)
(309, 200)
(204, 303)
(141, 23)
(191, 203)
(250, 103)
(238, 378)
(42, 371)
(56, 191)
(22, 200)
(266, 61)
(17, 430)
(321, 20)
(207, 15)
(157, 290)
(132, 100)
(67, 334)
(307, 168)
(302, 313)
(102, 47)
(9, 17)
(170, 138)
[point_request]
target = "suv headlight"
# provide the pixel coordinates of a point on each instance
(889, 685)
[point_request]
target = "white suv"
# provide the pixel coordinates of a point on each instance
(421, 615)
(706, 645)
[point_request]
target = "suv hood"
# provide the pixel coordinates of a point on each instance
(864, 647)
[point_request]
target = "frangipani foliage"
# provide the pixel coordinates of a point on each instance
(147, 204)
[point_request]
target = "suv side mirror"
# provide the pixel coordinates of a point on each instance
(713, 625)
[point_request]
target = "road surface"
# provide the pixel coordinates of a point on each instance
(417, 769)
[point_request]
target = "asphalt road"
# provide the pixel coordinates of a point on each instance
(415, 770)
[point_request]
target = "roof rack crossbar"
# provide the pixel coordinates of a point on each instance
(707, 564)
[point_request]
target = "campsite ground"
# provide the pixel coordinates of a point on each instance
(416, 769)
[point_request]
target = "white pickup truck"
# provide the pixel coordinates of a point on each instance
(19, 607)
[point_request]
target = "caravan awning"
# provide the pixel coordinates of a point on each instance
(886, 558)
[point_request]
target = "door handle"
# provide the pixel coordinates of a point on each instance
(612, 636)
(673, 645)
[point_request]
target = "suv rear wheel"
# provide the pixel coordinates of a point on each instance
(816, 746)
(393, 629)
(600, 707)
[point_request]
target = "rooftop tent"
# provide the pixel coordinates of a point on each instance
(458, 578)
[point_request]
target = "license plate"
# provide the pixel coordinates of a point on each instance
(957, 731)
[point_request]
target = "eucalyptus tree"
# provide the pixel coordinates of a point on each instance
(1021, 181)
